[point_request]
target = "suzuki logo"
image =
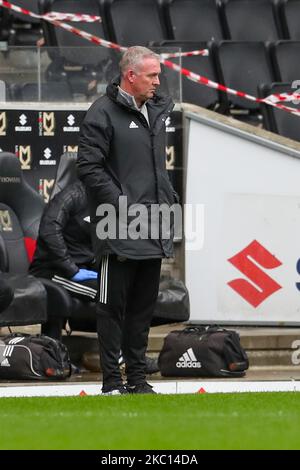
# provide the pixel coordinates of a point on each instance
(71, 120)
(168, 121)
(247, 261)
(47, 153)
(22, 119)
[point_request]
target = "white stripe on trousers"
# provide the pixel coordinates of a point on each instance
(103, 280)
(75, 287)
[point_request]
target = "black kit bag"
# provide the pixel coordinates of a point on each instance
(33, 357)
(172, 303)
(203, 352)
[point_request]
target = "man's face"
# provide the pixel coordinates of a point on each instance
(145, 79)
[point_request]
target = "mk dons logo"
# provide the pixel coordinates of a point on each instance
(45, 187)
(70, 148)
(47, 123)
(3, 123)
(24, 155)
(248, 262)
(5, 221)
(170, 157)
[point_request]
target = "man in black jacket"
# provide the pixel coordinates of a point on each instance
(121, 162)
(64, 250)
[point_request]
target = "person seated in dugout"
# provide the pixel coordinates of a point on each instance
(64, 252)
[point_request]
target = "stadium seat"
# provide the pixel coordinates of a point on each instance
(289, 11)
(25, 30)
(20, 212)
(277, 120)
(135, 22)
(79, 61)
(65, 41)
(285, 56)
(193, 92)
(243, 66)
(28, 304)
(16, 193)
(251, 20)
(49, 91)
(4, 24)
(194, 20)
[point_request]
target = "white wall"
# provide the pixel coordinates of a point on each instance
(250, 189)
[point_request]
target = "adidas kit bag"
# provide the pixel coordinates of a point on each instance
(33, 357)
(203, 352)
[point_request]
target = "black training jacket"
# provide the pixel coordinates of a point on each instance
(121, 155)
(64, 243)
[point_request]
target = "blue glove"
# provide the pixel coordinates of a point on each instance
(84, 275)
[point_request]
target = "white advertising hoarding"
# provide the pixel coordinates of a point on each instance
(246, 270)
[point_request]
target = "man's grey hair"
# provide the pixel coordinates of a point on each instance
(134, 56)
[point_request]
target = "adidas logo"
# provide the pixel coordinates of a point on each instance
(188, 360)
(5, 363)
(133, 125)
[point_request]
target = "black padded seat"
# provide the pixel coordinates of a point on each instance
(251, 20)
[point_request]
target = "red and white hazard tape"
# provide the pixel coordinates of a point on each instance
(71, 29)
(185, 72)
(203, 52)
(211, 84)
(83, 18)
(52, 16)
(284, 97)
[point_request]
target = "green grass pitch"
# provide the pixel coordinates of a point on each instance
(208, 421)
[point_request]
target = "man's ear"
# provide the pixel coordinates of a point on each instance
(130, 76)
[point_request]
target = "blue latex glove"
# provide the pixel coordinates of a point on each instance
(84, 275)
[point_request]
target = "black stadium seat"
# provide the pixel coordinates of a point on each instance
(25, 30)
(194, 20)
(65, 41)
(251, 20)
(285, 55)
(4, 24)
(243, 66)
(20, 212)
(290, 17)
(76, 59)
(193, 92)
(277, 120)
(48, 91)
(16, 193)
(135, 22)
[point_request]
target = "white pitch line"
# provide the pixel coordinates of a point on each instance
(162, 387)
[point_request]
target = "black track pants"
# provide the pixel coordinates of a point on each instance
(127, 296)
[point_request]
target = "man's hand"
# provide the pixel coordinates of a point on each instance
(84, 275)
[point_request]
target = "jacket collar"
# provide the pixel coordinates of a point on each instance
(155, 105)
